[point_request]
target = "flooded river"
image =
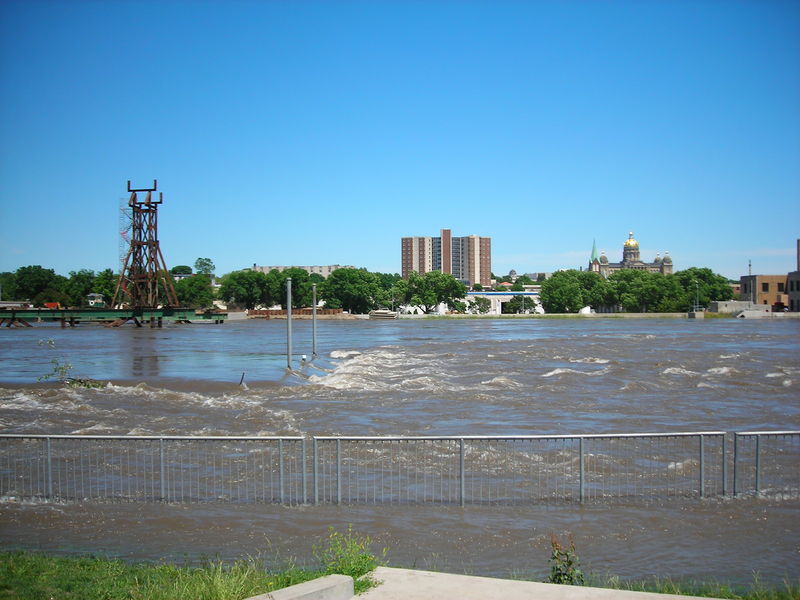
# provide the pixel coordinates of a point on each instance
(420, 377)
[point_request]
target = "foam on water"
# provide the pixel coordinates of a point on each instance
(679, 371)
(721, 371)
(566, 371)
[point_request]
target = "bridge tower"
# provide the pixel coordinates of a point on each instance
(144, 280)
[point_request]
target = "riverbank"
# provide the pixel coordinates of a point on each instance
(29, 576)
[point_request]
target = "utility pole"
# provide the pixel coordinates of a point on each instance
(289, 323)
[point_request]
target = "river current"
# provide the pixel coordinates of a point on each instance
(419, 377)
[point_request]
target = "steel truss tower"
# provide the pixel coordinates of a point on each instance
(145, 281)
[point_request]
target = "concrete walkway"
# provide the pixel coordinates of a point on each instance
(405, 584)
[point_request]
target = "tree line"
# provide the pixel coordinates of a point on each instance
(630, 290)
(37, 285)
(353, 290)
(359, 291)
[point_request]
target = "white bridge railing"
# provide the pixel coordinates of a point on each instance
(456, 470)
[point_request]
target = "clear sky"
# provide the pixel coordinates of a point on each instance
(294, 132)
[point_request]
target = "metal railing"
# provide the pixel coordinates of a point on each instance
(766, 462)
(149, 468)
(519, 469)
(370, 470)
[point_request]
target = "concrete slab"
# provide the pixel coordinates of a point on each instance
(330, 587)
(406, 584)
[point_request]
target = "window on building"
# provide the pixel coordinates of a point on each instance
(765, 287)
(780, 286)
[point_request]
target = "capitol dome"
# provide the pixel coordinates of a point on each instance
(630, 242)
(667, 259)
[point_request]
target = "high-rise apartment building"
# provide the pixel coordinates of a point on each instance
(468, 258)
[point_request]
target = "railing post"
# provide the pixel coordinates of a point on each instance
(305, 473)
(161, 468)
(724, 465)
(462, 483)
(338, 471)
(49, 470)
(758, 464)
(581, 467)
(702, 467)
(735, 459)
(280, 470)
(316, 474)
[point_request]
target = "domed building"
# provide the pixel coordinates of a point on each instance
(630, 260)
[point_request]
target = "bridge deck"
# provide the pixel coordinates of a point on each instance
(112, 317)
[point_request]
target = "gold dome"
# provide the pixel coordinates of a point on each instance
(630, 242)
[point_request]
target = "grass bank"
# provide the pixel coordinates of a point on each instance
(755, 591)
(33, 576)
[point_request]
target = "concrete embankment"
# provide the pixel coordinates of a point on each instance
(408, 584)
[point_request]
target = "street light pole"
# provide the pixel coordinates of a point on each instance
(289, 323)
(313, 321)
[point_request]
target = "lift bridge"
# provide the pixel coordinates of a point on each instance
(144, 292)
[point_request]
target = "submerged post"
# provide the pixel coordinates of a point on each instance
(724, 465)
(289, 323)
(162, 470)
(758, 464)
(313, 321)
(702, 467)
(580, 447)
(462, 486)
(49, 471)
(316, 474)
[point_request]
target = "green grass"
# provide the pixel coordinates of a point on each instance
(33, 576)
(755, 591)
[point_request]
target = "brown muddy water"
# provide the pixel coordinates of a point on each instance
(420, 377)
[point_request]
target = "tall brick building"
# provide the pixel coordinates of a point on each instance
(468, 258)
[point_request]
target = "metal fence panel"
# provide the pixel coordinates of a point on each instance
(143, 469)
(767, 462)
(399, 470)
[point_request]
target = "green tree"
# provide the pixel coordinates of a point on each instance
(481, 305)
(80, 284)
(246, 288)
(8, 286)
(642, 291)
(525, 280)
(518, 305)
(54, 292)
(517, 287)
(204, 266)
(704, 284)
(562, 293)
(32, 280)
(195, 292)
(105, 283)
(301, 287)
(477, 287)
(597, 292)
(432, 289)
(354, 290)
(182, 269)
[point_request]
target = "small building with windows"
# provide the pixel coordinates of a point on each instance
(771, 290)
(96, 300)
(793, 285)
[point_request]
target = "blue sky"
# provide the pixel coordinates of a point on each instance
(322, 132)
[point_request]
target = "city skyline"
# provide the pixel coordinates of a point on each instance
(319, 133)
